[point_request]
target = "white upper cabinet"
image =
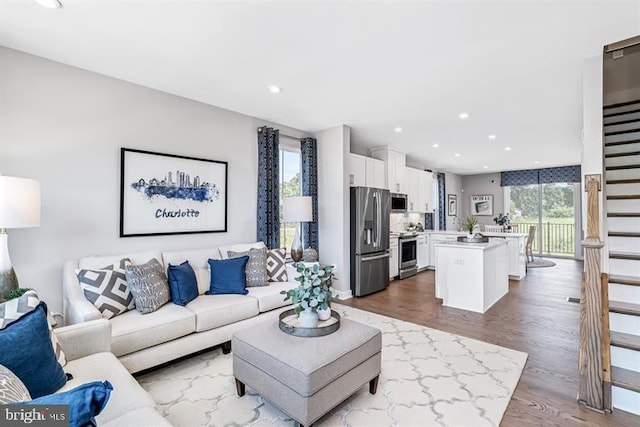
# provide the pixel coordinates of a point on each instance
(394, 168)
(366, 172)
(419, 190)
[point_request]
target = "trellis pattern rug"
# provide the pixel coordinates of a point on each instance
(429, 378)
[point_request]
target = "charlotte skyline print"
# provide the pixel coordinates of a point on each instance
(183, 187)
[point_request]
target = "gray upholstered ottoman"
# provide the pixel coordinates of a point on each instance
(306, 377)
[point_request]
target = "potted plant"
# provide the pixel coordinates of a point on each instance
(470, 224)
(314, 295)
(503, 220)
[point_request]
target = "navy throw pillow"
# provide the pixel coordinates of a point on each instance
(85, 402)
(228, 276)
(182, 283)
(27, 352)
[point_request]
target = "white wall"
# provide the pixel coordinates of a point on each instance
(453, 185)
(478, 185)
(64, 127)
(333, 203)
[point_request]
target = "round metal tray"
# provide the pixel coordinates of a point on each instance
(289, 319)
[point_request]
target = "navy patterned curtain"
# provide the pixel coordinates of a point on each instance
(309, 161)
(442, 205)
(268, 218)
(541, 176)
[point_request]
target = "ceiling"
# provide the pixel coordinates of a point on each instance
(515, 66)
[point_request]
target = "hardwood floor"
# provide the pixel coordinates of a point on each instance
(533, 317)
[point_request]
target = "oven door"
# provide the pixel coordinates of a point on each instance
(408, 252)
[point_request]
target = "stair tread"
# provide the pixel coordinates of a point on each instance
(623, 234)
(625, 154)
(623, 181)
(625, 378)
(622, 307)
(614, 143)
(622, 167)
(623, 214)
(624, 255)
(624, 280)
(623, 197)
(624, 340)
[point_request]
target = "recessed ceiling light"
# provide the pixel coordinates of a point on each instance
(492, 136)
(463, 115)
(274, 89)
(398, 129)
(485, 167)
(436, 145)
(457, 155)
(507, 148)
(535, 162)
(51, 4)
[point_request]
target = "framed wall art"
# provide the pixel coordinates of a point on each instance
(171, 194)
(452, 204)
(481, 205)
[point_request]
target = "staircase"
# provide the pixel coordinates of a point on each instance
(622, 207)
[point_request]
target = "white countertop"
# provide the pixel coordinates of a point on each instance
(498, 234)
(463, 245)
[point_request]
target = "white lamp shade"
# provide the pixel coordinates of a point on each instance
(297, 209)
(19, 202)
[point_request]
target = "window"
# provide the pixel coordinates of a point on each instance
(290, 185)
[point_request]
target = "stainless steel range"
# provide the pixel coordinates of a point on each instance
(407, 254)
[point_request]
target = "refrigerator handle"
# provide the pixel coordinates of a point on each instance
(375, 219)
(379, 224)
(374, 257)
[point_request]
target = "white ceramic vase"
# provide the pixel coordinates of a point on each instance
(308, 318)
(324, 314)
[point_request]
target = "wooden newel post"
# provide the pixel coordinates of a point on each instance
(590, 369)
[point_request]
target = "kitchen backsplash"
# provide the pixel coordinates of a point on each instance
(399, 221)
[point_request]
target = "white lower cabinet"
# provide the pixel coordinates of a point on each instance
(393, 259)
(423, 251)
(436, 237)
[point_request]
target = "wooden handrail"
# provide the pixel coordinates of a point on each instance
(594, 370)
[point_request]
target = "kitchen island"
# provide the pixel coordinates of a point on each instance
(471, 276)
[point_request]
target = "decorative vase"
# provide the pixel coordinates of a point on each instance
(470, 236)
(324, 314)
(296, 247)
(310, 255)
(308, 318)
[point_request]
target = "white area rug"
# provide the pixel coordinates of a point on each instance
(429, 378)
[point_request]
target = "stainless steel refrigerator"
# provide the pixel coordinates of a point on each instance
(370, 209)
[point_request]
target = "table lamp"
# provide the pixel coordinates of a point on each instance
(19, 208)
(297, 209)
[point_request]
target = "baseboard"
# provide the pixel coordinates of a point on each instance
(343, 294)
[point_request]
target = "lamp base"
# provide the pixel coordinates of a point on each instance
(296, 247)
(8, 283)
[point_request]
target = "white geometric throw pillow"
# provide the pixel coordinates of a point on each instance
(11, 388)
(12, 310)
(107, 289)
(276, 266)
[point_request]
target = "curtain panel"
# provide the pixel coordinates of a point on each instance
(309, 164)
(268, 218)
(442, 205)
(541, 176)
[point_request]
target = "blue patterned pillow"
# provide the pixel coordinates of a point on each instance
(182, 283)
(26, 351)
(228, 276)
(85, 402)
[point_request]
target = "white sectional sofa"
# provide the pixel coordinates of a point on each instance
(141, 341)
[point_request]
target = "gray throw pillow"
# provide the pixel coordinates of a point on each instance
(11, 388)
(149, 285)
(107, 288)
(276, 265)
(256, 269)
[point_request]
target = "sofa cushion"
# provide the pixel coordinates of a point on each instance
(198, 260)
(183, 283)
(240, 247)
(148, 284)
(276, 265)
(31, 357)
(107, 289)
(213, 311)
(11, 388)
(84, 402)
(269, 297)
(127, 394)
(133, 331)
(256, 268)
(99, 261)
(228, 276)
